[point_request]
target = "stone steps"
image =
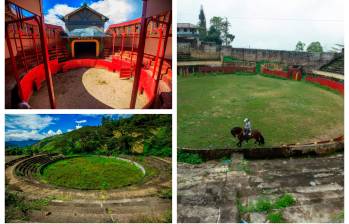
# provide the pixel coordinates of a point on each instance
(203, 189)
(99, 211)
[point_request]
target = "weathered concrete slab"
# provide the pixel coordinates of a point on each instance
(209, 192)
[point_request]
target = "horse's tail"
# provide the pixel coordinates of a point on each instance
(261, 139)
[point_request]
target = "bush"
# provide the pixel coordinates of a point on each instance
(153, 150)
(191, 158)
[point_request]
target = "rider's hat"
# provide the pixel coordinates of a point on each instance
(246, 119)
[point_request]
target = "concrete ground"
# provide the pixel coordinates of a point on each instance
(88, 88)
(210, 192)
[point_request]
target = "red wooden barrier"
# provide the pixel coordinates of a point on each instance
(332, 84)
(147, 84)
(37, 75)
(277, 73)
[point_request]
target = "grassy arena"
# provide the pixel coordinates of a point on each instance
(92, 172)
(284, 111)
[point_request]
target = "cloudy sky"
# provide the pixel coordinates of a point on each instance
(35, 127)
(273, 24)
(116, 10)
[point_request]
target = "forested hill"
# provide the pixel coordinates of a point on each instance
(138, 134)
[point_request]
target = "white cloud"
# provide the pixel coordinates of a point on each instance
(273, 24)
(116, 10)
(18, 135)
(52, 133)
(80, 122)
(52, 17)
(28, 126)
(28, 121)
(69, 130)
(23, 135)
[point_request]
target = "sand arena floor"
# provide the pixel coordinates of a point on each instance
(88, 88)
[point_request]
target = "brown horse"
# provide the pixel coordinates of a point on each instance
(238, 133)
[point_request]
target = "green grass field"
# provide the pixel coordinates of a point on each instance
(284, 111)
(92, 172)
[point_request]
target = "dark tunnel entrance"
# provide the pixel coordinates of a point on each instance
(85, 49)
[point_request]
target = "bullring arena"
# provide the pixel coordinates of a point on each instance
(296, 103)
(127, 65)
(140, 201)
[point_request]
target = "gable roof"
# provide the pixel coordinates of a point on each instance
(85, 6)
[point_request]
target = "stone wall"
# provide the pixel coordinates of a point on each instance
(309, 60)
(205, 55)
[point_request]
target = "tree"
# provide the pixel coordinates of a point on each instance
(202, 24)
(217, 23)
(300, 46)
(226, 36)
(219, 31)
(214, 35)
(315, 47)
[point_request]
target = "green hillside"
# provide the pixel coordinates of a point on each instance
(139, 134)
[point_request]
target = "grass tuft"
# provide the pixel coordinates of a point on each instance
(190, 158)
(284, 201)
(275, 217)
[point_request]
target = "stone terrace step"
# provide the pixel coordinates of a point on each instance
(312, 181)
(108, 211)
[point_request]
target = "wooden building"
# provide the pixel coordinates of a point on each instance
(84, 17)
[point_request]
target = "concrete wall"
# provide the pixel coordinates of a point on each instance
(205, 55)
(309, 60)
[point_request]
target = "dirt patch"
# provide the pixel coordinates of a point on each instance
(91, 88)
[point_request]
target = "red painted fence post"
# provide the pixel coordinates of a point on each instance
(140, 55)
(43, 41)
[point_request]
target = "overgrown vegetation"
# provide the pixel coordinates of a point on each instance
(275, 217)
(18, 208)
(191, 158)
(264, 204)
(92, 172)
(138, 134)
(166, 193)
(338, 217)
(273, 208)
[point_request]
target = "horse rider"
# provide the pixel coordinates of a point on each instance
(247, 127)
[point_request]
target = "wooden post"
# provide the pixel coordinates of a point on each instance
(158, 51)
(158, 77)
(140, 54)
(43, 42)
(113, 43)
